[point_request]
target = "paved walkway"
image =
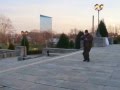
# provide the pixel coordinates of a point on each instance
(66, 72)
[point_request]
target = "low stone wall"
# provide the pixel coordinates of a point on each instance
(4, 53)
(58, 50)
(100, 42)
(19, 51)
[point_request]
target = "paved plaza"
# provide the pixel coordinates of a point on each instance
(65, 72)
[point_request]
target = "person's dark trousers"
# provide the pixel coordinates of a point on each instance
(86, 54)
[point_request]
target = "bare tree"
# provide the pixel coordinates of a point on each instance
(114, 30)
(6, 28)
(39, 38)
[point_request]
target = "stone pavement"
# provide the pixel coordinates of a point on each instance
(66, 72)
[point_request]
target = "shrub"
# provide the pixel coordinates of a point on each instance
(63, 41)
(71, 44)
(11, 46)
(33, 52)
(117, 40)
(78, 40)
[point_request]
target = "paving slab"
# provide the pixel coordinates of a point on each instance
(65, 72)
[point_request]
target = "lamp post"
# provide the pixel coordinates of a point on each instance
(24, 34)
(98, 8)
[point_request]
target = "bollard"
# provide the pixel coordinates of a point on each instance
(48, 53)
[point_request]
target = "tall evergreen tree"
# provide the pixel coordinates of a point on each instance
(63, 41)
(102, 30)
(78, 40)
(24, 42)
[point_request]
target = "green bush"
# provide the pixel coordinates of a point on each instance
(11, 46)
(33, 46)
(78, 40)
(71, 44)
(33, 52)
(63, 41)
(117, 40)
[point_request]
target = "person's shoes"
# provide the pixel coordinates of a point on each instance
(84, 60)
(87, 60)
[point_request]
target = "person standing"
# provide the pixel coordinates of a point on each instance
(87, 45)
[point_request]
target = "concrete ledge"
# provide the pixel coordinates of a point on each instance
(58, 50)
(21, 58)
(5, 53)
(19, 51)
(100, 42)
(2, 87)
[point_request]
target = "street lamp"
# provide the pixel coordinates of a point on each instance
(98, 8)
(24, 34)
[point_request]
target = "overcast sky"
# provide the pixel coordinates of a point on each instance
(67, 14)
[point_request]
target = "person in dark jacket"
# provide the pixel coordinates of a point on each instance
(87, 45)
